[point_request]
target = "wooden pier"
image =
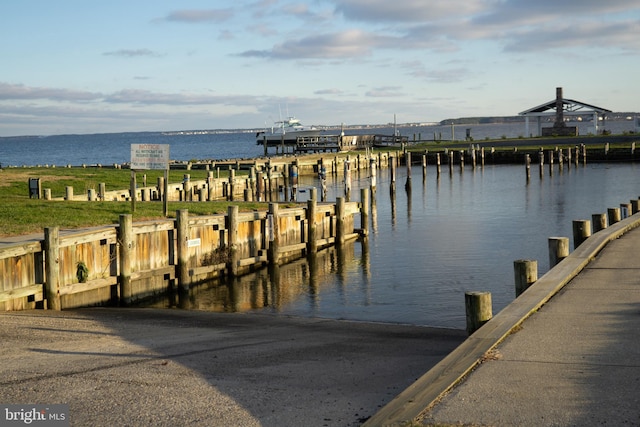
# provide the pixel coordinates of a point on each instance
(328, 143)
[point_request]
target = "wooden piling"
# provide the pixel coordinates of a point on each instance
(407, 184)
(273, 235)
(259, 186)
(635, 206)
(581, 231)
(541, 161)
(340, 221)
(312, 237)
(232, 183)
(479, 309)
(364, 212)
(614, 215)
(558, 250)
(625, 210)
(52, 267)
(182, 245)
(186, 187)
(527, 166)
(599, 222)
(525, 274)
(424, 167)
(234, 253)
(126, 252)
(347, 177)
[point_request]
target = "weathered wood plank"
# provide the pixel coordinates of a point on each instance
(20, 249)
(74, 288)
(23, 292)
(89, 236)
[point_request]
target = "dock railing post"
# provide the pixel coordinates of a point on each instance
(340, 212)
(182, 239)
(52, 269)
(312, 238)
(364, 211)
(273, 234)
(126, 251)
(234, 253)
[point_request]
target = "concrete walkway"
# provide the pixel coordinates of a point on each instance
(572, 359)
(153, 367)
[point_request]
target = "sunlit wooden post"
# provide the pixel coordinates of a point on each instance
(558, 250)
(479, 310)
(599, 222)
(581, 231)
(614, 215)
(312, 238)
(340, 221)
(525, 274)
(364, 211)
(182, 245)
(126, 253)
(273, 234)
(407, 184)
(52, 267)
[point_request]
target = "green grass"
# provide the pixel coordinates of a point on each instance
(21, 215)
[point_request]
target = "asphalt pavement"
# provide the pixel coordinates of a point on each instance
(142, 367)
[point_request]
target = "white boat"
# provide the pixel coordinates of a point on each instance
(288, 130)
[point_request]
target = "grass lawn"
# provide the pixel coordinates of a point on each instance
(21, 215)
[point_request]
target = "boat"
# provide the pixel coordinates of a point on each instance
(288, 130)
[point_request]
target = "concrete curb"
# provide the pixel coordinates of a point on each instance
(425, 392)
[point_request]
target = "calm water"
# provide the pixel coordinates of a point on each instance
(431, 244)
(427, 246)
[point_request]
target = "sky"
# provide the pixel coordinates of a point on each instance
(75, 66)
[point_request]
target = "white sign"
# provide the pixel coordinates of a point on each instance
(149, 156)
(193, 243)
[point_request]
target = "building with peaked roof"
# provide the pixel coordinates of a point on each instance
(560, 107)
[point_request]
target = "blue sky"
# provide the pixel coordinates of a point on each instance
(114, 66)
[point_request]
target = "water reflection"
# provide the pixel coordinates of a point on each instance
(460, 232)
(276, 287)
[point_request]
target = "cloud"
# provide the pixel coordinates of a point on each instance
(408, 10)
(516, 25)
(20, 92)
(199, 15)
(329, 92)
(621, 35)
(132, 53)
(345, 44)
(518, 12)
(385, 92)
(440, 75)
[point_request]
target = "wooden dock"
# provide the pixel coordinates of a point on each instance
(331, 143)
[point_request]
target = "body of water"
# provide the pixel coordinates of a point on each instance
(428, 245)
(110, 148)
